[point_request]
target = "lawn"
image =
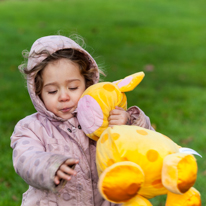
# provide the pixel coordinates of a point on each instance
(165, 39)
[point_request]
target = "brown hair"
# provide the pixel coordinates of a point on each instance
(74, 55)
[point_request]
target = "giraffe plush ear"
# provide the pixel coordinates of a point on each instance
(130, 82)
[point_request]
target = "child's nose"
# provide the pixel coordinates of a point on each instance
(64, 96)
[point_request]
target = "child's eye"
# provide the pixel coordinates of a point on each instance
(73, 88)
(52, 92)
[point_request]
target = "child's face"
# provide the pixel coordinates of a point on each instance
(63, 86)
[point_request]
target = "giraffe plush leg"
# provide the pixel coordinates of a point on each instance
(121, 181)
(190, 198)
(138, 201)
(179, 172)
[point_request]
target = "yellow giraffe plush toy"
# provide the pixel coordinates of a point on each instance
(135, 164)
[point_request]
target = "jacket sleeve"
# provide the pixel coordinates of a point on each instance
(139, 118)
(30, 160)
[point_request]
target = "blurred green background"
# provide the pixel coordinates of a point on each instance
(165, 39)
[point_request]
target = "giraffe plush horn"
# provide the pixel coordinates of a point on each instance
(130, 82)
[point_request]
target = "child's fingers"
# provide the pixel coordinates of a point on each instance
(115, 112)
(113, 117)
(65, 171)
(62, 175)
(119, 108)
(71, 161)
(116, 122)
(56, 180)
(64, 168)
(118, 117)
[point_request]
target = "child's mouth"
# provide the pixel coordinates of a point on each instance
(67, 109)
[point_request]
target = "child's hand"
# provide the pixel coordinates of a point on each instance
(65, 171)
(118, 116)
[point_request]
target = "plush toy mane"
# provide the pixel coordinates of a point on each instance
(135, 164)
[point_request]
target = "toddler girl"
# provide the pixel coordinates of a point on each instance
(50, 151)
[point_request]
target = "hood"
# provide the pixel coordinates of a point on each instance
(51, 44)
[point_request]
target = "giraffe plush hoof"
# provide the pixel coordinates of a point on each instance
(190, 198)
(121, 181)
(138, 201)
(179, 172)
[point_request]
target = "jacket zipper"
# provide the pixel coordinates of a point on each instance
(74, 132)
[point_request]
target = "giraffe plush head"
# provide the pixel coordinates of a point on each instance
(99, 99)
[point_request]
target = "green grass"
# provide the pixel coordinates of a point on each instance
(165, 39)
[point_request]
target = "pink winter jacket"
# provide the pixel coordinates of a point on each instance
(41, 142)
